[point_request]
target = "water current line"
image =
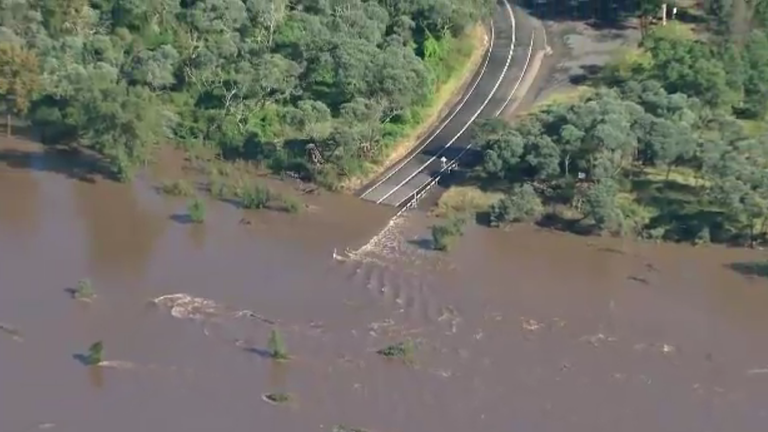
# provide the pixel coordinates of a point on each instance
(388, 236)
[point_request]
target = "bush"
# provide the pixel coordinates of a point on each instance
(277, 398)
(196, 210)
(401, 350)
(95, 354)
(636, 217)
(256, 197)
(84, 290)
(522, 204)
(179, 188)
(443, 235)
(290, 204)
(276, 346)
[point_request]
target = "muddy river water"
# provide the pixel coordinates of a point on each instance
(516, 331)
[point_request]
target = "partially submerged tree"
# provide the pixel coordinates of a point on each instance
(84, 290)
(95, 354)
(276, 346)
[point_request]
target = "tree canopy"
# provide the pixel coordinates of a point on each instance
(260, 79)
(658, 149)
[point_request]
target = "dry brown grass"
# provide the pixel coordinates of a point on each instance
(464, 199)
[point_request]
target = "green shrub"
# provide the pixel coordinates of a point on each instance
(196, 210)
(522, 204)
(95, 354)
(401, 350)
(276, 346)
(290, 204)
(84, 290)
(277, 398)
(443, 235)
(177, 188)
(256, 197)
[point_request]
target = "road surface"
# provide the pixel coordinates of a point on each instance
(489, 92)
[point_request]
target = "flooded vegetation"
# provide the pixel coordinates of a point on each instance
(518, 329)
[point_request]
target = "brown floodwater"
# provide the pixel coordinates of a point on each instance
(523, 330)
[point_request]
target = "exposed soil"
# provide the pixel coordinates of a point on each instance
(579, 51)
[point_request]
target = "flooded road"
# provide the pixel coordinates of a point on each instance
(516, 331)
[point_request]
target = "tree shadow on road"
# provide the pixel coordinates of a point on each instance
(600, 14)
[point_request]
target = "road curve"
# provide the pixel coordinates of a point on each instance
(490, 90)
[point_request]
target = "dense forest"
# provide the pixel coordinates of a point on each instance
(269, 81)
(669, 144)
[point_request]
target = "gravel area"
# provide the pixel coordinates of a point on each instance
(579, 51)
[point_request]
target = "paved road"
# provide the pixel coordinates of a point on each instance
(488, 93)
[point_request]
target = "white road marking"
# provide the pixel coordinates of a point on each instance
(509, 98)
(442, 125)
(466, 126)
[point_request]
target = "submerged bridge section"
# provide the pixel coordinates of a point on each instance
(487, 95)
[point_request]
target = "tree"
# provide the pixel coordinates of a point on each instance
(502, 148)
(312, 119)
(756, 88)
(522, 204)
(445, 234)
(276, 346)
(600, 205)
(62, 17)
(19, 79)
(122, 123)
(252, 79)
(647, 10)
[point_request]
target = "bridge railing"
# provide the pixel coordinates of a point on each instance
(412, 200)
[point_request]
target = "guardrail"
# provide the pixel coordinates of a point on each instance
(412, 200)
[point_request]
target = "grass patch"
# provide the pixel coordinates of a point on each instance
(179, 188)
(262, 197)
(569, 95)
(252, 195)
(677, 30)
(755, 128)
(465, 200)
(277, 398)
(404, 351)
(196, 210)
(256, 197)
(683, 176)
(464, 57)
